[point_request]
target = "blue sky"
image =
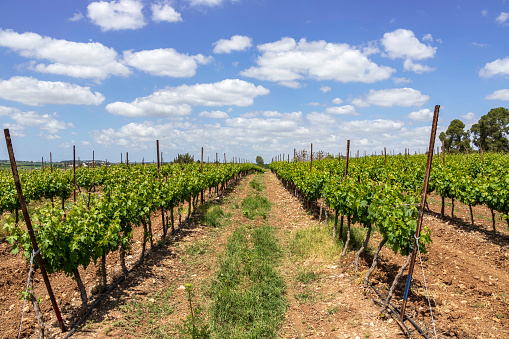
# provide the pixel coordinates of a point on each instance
(244, 78)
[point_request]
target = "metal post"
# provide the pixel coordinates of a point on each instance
(421, 209)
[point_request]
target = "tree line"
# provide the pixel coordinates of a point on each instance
(489, 133)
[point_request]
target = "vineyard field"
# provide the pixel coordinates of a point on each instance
(466, 266)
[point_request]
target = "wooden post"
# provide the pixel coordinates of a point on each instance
(421, 209)
(93, 159)
(42, 163)
(225, 158)
(347, 157)
(127, 159)
(51, 162)
(74, 169)
(31, 230)
(311, 166)
(385, 154)
(158, 161)
(121, 161)
(443, 153)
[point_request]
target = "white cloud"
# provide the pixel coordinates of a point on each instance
(316, 118)
(314, 103)
(287, 61)
(208, 3)
(325, 89)
(176, 101)
(478, 44)
(165, 62)
(4, 110)
(75, 59)
(48, 125)
(499, 66)
(402, 43)
(214, 114)
(164, 12)
(422, 115)
(501, 94)
(399, 81)
(342, 110)
(34, 92)
(427, 37)
(76, 17)
(235, 43)
(502, 18)
(409, 65)
(469, 116)
(372, 126)
(403, 97)
(484, 12)
(117, 15)
(337, 101)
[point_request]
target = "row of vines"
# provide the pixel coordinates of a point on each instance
(382, 193)
(112, 202)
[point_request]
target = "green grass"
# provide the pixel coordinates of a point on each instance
(255, 205)
(213, 216)
(306, 276)
(248, 293)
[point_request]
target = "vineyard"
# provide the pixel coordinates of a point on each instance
(90, 222)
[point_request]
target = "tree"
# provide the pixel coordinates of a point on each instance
(456, 138)
(259, 160)
(184, 159)
(491, 132)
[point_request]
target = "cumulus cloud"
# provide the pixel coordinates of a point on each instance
(501, 94)
(207, 3)
(163, 11)
(422, 115)
(34, 92)
(47, 124)
(214, 114)
(399, 81)
(409, 65)
(235, 43)
(316, 118)
(403, 97)
(469, 116)
(75, 59)
(165, 62)
(116, 15)
(287, 61)
(176, 101)
(372, 126)
(325, 89)
(497, 67)
(76, 17)
(342, 110)
(502, 18)
(402, 43)
(337, 101)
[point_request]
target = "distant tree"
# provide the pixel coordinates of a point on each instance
(184, 159)
(259, 160)
(492, 130)
(456, 138)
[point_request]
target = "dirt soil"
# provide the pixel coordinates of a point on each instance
(466, 273)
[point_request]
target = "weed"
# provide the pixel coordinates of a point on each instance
(213, 216)
(255, 205)
(306, 276)
(248, 293)
(333, 310)
(197, 249)
(193, 325)
(304, 297)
